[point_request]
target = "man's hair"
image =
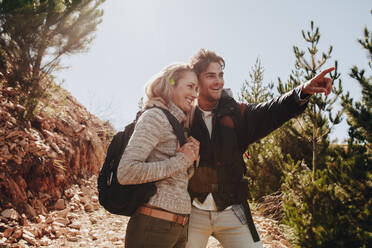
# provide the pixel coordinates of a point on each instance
(201, 60)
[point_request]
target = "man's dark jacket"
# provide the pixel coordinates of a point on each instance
(234, 127)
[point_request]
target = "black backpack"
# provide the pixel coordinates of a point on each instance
(125, 199)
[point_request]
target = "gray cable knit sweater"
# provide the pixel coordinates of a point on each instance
(151, 156)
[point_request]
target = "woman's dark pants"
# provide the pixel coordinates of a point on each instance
(144, 231)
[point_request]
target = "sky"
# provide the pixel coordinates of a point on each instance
(138, 38)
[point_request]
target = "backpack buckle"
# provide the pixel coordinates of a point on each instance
(109, 179)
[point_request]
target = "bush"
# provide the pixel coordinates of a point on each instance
(334, 209)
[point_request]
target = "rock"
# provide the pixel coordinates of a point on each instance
(57, 232)
(40, 207)
(40, 219)
(49, 220)
(2, 242)
(11, 214)
(29, 238)
(74, 206)
(9, 232)
(3, 227)
(44, 241)
(76, 198)
(72, 216)
(83, 200)
(24, 220)
(89, 208)
(47, 230)
(93, 236)
(94, 199)
(75, 225)
(60, 204)
(23, 243)
(3, 219)
(72, 239)
(114, 238)
(18, 233)
(57, 225)
(32, 231)
(63, 221)
(119, 243)
(93, 220)
(63, 213)
(30, 210)
(69, 193)
(83, 244)
(72, 232)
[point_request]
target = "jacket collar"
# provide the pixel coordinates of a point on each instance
(223, 105)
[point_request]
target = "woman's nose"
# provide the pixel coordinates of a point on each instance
(194, 94)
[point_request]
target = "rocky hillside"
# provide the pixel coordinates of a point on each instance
(39, 159)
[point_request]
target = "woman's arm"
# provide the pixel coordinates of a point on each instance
(149, 130)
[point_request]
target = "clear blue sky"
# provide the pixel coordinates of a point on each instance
(138, 38)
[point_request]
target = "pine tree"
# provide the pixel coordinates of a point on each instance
(334, 210)
(310, 130)
(35, 34)
(265, 158)
(255, 90)
(360, 113)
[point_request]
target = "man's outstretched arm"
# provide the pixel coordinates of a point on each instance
(261, 119)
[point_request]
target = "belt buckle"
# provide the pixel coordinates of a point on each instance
(185, 219)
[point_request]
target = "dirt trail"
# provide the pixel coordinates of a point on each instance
(82, 222)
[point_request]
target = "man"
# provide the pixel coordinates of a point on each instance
(225, 129)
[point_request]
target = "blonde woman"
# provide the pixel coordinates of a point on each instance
(153, 155)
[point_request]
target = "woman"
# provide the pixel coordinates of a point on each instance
(153, 154)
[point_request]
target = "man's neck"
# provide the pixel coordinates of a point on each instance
(205, 104)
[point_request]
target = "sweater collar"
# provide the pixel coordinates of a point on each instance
(177, 112)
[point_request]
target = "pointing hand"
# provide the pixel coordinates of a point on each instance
(318, 84)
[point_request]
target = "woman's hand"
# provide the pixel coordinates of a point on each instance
(191, 149)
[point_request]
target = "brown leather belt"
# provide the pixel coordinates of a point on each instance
(161, 214)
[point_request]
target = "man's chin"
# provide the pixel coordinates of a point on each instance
(216, 96)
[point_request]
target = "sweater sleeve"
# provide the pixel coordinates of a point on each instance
(133, 167)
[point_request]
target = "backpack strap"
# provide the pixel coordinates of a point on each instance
(177, 127)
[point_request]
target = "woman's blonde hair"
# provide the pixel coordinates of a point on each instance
(162, 84)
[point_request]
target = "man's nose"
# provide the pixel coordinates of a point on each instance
(219, 80)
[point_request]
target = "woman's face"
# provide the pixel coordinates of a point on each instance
(186, 91)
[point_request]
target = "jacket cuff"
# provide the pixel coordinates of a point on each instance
(301, 98)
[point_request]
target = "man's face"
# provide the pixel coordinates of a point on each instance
(211, 82)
